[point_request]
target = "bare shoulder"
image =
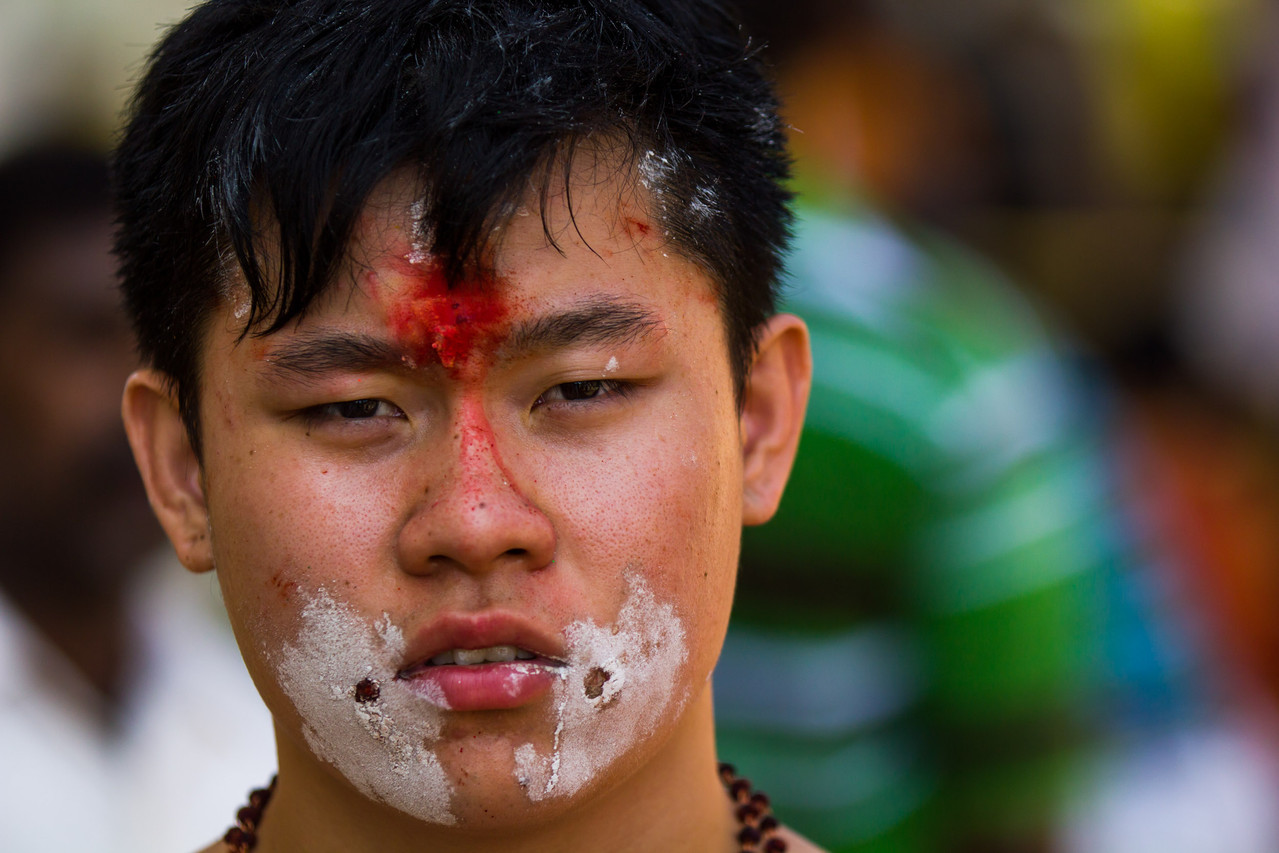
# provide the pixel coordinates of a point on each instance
(215, 847)
(796, 843)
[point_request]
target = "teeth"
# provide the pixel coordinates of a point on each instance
(492, 654)
(500, 654)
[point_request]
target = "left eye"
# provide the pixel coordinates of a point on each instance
(588, 389)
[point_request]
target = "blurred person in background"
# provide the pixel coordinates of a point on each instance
(112, 679)
(1180, 87)
(1220, 453)
(950, 565)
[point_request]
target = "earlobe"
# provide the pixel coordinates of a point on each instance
(169, 467)
(772, 417)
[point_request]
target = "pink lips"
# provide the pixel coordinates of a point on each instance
(485, 686)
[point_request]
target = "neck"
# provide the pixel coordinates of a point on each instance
(673, 801)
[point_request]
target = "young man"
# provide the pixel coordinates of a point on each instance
(464, 375)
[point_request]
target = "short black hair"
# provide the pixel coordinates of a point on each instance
(292, 111)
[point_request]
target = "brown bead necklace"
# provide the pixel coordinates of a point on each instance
(758, 833)
(754, 812)
(243, 834)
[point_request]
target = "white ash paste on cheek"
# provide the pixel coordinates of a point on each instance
(617, 685)
(356, 716)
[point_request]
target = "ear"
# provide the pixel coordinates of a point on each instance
(170, 470)
(773, 414)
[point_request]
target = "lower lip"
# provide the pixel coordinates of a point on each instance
(483, 687)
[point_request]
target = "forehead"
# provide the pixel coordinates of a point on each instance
(575, 231)
(590, 198)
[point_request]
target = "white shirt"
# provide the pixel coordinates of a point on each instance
(195, 736)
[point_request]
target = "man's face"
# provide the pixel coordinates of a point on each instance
(546, 464)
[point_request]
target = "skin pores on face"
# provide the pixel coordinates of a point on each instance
(357, 502)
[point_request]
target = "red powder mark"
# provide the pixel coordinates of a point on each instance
(636, 229)
(435, 323)
(285, 588)
(477, 437)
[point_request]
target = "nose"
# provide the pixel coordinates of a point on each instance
(473, 515)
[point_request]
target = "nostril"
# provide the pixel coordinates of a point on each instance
(441, 562)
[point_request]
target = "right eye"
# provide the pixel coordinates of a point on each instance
(354, 410)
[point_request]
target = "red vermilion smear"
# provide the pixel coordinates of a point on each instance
(477, 437)
(435, 323)
(284, 588)
(636, 229)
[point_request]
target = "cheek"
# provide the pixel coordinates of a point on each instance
(339, 676)
(298, 524)
(285, 543)
(665, 506)
(641, 507)
(620, 681)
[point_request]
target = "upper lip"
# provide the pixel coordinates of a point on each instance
(481, 630)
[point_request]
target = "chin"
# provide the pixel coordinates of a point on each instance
(489, 793)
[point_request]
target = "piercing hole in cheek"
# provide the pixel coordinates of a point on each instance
(594, 682)
(367, 690)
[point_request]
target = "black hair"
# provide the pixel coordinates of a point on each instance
(292, 111)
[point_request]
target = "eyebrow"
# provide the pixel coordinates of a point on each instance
(312, 356)
(599, 321)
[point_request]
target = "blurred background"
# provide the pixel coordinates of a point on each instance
(1020, 594)
(127, 720)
